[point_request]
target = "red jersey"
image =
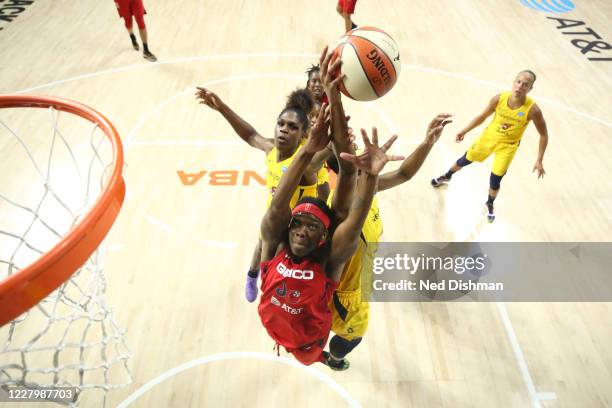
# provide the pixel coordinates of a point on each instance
(294, 303)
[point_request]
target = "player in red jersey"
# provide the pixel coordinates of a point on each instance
(134, 8)
(303, 251)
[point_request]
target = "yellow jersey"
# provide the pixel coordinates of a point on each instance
(508, 125)
(351, 285)
(275, 170)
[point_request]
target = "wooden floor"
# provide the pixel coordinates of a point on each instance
(179, 253)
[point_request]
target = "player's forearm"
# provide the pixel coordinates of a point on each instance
(318, 159)
(340, 138)
(291, 179)
(542, 146)
(362, 200)
(409, 167)
(477, 121)
(240, 126)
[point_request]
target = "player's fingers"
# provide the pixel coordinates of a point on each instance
(374, 136)
(335, 65)
(388, 144)
(364, 136)
(394, 157)
(336, 81)
(348, 157)
(322, 62)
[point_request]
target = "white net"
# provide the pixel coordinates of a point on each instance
(49, 178)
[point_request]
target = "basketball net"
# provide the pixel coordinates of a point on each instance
(69, 338)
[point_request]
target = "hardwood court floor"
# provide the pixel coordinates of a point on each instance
(180, 252)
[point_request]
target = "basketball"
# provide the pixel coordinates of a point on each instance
(370, 62)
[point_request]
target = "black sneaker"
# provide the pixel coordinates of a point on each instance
(440, 181)
(148, 55)
(335, 365)
(135, 46)
(490, 213)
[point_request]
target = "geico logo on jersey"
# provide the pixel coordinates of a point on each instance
(294, 273)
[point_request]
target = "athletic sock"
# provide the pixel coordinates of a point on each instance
(133, 38)
(145, 48)
(449, 174)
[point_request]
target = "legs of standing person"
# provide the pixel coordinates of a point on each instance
(479, 151)
(504, 154)
(128, 26)
(142, 30)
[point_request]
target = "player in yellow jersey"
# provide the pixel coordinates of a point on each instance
(513, 112)
(291, 129)
(350, 313)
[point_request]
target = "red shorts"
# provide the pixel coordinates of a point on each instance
(347, 6)
(128, 8)
(312, 353)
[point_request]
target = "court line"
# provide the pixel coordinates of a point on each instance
(301, 55)
(154, 221)
(238, 355)
(522, 363)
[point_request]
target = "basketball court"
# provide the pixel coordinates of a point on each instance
(176, 258)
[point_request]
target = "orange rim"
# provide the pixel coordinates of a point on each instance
(24, 289)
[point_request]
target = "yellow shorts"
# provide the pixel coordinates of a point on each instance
(485, 145)
(350, 314)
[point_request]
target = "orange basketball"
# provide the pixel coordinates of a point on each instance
(370, 62)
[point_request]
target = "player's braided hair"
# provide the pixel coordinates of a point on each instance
(300, 101)
(310, 71)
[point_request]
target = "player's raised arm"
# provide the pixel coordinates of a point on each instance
(477, 121)
(340, 140)
(240, 126)
(412, 164)
(278, 215)
(346, 235)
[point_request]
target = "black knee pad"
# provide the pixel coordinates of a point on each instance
(340, 347)
(495, 181)
(463, 161)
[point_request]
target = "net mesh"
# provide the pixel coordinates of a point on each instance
(70, 338)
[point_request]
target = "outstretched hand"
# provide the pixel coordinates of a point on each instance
(374, 157)
(206, 97)
(330, 75)
(434, 130)
(318, 137)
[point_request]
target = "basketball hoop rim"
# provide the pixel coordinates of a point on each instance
(24, 289)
